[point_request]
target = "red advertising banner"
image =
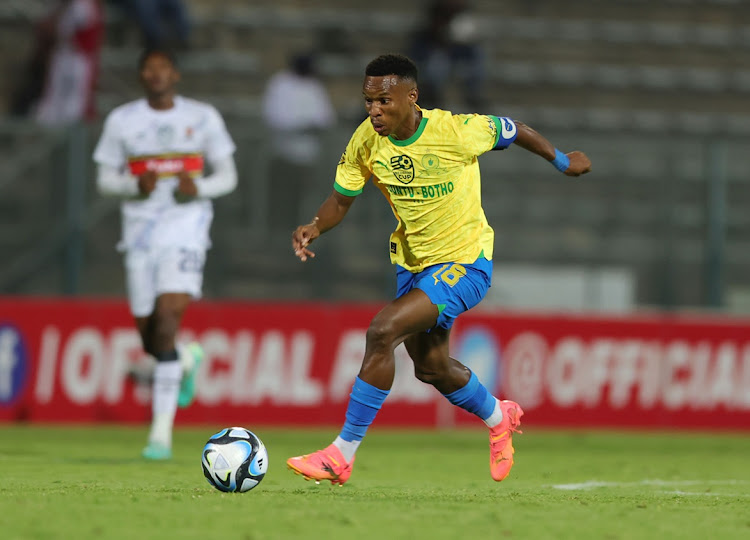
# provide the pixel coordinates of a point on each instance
(640, 371)
(293, 364)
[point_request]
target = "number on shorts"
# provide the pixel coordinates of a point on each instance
(450, 274)
(190, 261)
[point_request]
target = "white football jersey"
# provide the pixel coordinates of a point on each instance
(139, 138)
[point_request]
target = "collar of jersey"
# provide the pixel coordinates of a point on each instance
(177, 101)
(407, 142)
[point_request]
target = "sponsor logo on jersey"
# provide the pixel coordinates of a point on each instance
(166, 164)
(403, 168)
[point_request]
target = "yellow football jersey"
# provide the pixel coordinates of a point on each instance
(432, 183)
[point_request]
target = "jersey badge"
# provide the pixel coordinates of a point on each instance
(430, 162)
(403, 168)
(165, 134)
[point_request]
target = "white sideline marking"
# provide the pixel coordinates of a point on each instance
(704, 494)
(591, 484)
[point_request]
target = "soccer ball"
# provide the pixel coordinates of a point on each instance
(234, 459)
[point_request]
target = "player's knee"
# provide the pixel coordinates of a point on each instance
(381, 333)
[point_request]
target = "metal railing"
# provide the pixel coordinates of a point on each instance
(669, 209)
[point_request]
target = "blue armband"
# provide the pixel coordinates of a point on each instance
(561, 161)
(506, 132)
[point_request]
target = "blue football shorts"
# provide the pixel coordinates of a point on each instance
(452, 287)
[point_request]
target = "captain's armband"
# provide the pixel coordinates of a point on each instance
(506, 132)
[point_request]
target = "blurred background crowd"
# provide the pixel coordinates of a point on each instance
(655, 92)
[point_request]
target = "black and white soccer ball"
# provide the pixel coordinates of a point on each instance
(234, 460)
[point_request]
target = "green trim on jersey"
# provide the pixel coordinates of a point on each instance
(441, 308)
(414, 137)
(499, 129)
(347, 192)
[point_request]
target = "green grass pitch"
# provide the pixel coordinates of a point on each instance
(88, 482)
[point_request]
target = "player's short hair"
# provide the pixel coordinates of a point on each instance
(392, 64)
(153, 51)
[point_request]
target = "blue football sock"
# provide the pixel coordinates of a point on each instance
(474, 398)
(364, 403)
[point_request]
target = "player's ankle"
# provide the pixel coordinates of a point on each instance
(347, 448)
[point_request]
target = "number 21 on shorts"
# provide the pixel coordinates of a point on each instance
(449, 273)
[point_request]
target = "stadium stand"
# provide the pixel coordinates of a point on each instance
(646, 88)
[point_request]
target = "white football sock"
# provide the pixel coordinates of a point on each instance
(496, 417)
(166, 388)
(348, 448)
(186, 358)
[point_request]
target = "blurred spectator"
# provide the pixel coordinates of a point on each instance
(445, 47)
(164, 23)
(62, 74)
(297, 109)
(31, 80)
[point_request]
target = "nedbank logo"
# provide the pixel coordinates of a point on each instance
(403, 168)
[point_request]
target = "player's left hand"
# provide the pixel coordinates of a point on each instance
(186, 189)
(579, 164)
(302, 237)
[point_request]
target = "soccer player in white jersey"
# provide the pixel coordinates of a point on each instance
(152, 154)
(425, 163)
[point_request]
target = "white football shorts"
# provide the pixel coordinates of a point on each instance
(151, 273)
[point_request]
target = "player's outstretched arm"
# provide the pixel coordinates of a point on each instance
(330, 214)
(572, 164)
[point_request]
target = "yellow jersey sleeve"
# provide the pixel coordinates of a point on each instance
(478, 132)
(353, 169)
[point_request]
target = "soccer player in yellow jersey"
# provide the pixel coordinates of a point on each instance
(425, 163)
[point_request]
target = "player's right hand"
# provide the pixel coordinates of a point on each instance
(147, 182)
(579, 164)
(302, 237)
